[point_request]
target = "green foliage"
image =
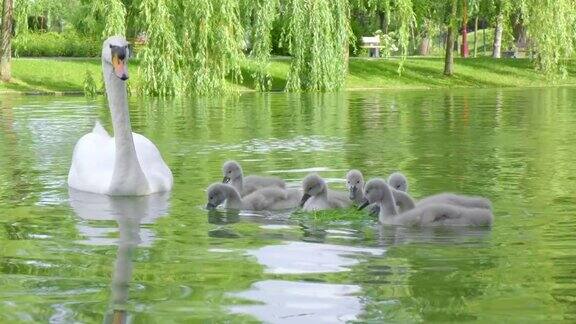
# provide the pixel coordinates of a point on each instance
(55, 44)
(334, 215)
(114, 13)
(160, 58)
(21, 11)
(193, 46)
(552, 26)
(388, 43)
(265, 13)
(51, 10)
(200, 46)
(406, 16)
(90, 87)
(212, 41)
(317, 36)
(400, 13)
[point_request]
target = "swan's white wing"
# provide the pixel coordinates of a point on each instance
(157, 172)
(92, 162)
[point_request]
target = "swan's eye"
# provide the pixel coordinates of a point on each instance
(230, 171)
(357, 182)
(210, 197)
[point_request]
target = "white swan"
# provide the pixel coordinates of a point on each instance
(232, 173)
(318, 197)
(270, 198)
(127, 164)
(433, 214)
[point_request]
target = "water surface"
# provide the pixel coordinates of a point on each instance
(74, 257)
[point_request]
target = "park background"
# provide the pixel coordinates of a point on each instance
(199, 47)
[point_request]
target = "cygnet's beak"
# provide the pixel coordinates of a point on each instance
(364, 205)
(352, 190)
(226, 179)
(305, 198)
(210, 206)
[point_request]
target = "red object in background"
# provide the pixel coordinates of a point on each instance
(464, 46)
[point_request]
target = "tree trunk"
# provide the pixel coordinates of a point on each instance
(383, 22)
(476, 36)
(464, 47)
(484, 40)
(450, 37)
(425, 46)
(498, 35)
(6, 50)
(521, 38)
(449, 57)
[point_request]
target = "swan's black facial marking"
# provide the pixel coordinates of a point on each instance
(305, 198)
(119, 54)
(119, 51)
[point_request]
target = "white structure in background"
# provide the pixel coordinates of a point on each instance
(372, 43)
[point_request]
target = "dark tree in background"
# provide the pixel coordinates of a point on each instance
(5, 66)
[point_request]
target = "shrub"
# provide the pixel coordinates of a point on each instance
(68, 44)
(89, 85)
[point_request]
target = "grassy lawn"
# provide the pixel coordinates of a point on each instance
(67, 75)
(426, 73)
(49, 75)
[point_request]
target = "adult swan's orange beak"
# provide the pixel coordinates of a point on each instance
(119, 62)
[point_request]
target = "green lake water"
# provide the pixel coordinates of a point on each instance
(73, 257)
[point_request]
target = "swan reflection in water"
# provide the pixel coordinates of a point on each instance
(129, 213)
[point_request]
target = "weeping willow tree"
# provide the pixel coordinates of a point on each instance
(159, 67)
(213, 40)
(407, 21)
(258, 19)
(22, 9)
(551, 25)
(193, 46)
(114, 16)
(317, 37)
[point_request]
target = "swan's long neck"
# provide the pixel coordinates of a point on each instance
(323, 194)
(238, 183)
(233, 200)
(127, 178)
(361, 196)
(387, 206)
(358, 192)
(405, 202)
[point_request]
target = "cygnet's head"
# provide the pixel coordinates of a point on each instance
(376, 190)
(312, 185)
(115, 52)
(216, 194)
(231, 170)
(398, 181)
(355, 184)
